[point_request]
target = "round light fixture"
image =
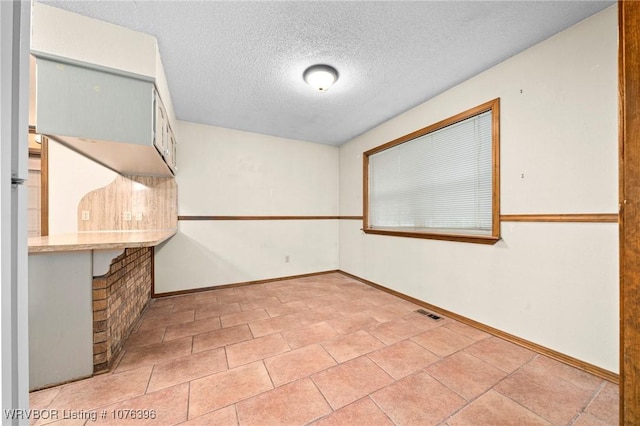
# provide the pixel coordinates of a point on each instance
(320, 77)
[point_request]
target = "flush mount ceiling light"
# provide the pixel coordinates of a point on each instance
(320, 77)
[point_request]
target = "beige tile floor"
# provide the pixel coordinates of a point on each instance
(323, 350)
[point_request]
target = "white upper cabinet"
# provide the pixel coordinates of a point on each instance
(110, 118)
(101, 90)
(164, 139)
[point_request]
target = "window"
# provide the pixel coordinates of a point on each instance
(440, 182)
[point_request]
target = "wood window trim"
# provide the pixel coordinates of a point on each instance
(494, 107)
(629, 196)
(562, 217)
(463, 238)
(34, 152)
(43, 153)
(229, 218)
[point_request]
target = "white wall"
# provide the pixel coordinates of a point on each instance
(555, 284)
(224, 172)
(71, 177)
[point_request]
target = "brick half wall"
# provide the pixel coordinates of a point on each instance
(119, 297)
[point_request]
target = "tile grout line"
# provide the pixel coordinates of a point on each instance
(524, 407)
(513, 400)
(273, 385)
(235, 411)
(226, 357)
(380, 408)
(492, 388)
(591, 399)
(507, 373)
(323, 395)
(146, 389)
(188, 399)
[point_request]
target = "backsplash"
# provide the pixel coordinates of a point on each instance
(130, 203)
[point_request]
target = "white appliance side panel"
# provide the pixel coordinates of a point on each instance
(60, 317)
(21, 236)
(14, 98)
(19, 241)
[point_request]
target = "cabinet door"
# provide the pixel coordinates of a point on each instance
(160, 125)
(173, 149)
(92, 104)
(165, 139)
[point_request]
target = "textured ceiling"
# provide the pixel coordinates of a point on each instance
(239, 64)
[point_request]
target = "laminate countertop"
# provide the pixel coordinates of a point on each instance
(105, 240)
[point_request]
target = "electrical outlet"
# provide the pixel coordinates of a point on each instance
(85, 215)
(286, 259)
(127, 215)
(139, 216)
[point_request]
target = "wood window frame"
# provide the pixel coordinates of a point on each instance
(494, 107)
(43, 153)
(629, 196)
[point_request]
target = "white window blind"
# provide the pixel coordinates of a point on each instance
(438, 182)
